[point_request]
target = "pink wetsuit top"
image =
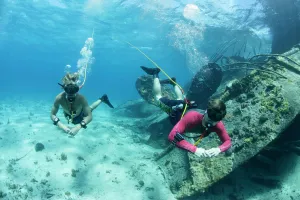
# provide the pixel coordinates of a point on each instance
(192, 119)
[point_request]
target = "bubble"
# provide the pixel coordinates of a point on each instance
(68, 68)
(191, 12)
(84, 63)
(186, 37)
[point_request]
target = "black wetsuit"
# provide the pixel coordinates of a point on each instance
(174, 114)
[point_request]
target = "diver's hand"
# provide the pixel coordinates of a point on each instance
(67, 130)
(200, 152)
(75, 129)
(212, 152)
(192, 104)
(63, 127)
(179, 106)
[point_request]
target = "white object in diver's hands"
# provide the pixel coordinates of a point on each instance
(200, 152)
(212, 152)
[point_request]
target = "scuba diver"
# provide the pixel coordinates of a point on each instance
(207, 123)
(75, 106)
(174, 108)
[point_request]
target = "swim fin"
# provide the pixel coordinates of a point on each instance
(150, 71)
(105, 100)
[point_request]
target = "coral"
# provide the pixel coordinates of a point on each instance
(237, 111)
(39, 147)
(250, 95)
(274, 102)
(74, 172)
(63, 156)
(2, 194)
(277, 119)
(284, 108)
(263, 118)
(248, 140)
(244, 86)
(67, 193)
(268, 103)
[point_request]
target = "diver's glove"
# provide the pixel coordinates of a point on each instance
(192, 104)
(179, 106)
(200, 152)
(212, 152)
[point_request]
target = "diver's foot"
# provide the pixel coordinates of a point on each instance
(151, 71)
(192, 104)
(105, 100)
(168, 81)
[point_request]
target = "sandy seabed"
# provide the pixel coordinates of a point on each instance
(105, 161)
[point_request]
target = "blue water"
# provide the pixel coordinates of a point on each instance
(39, 38)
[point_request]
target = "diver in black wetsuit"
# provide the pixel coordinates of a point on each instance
(174, 108)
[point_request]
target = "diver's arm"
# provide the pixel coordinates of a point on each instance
(54, 109)
(190, 120)
(86, 111)
(224, 137)
(53, 116)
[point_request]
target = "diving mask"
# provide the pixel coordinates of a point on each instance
(209, 122)
(215, 115)
(71, 90)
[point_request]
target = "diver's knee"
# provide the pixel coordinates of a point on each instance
(158, 97)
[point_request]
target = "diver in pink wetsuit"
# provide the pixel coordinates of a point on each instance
(207, 123)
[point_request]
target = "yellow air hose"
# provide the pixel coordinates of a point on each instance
(199, 140)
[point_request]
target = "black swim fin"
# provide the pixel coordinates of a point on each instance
(150, 71)
(105, 100)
